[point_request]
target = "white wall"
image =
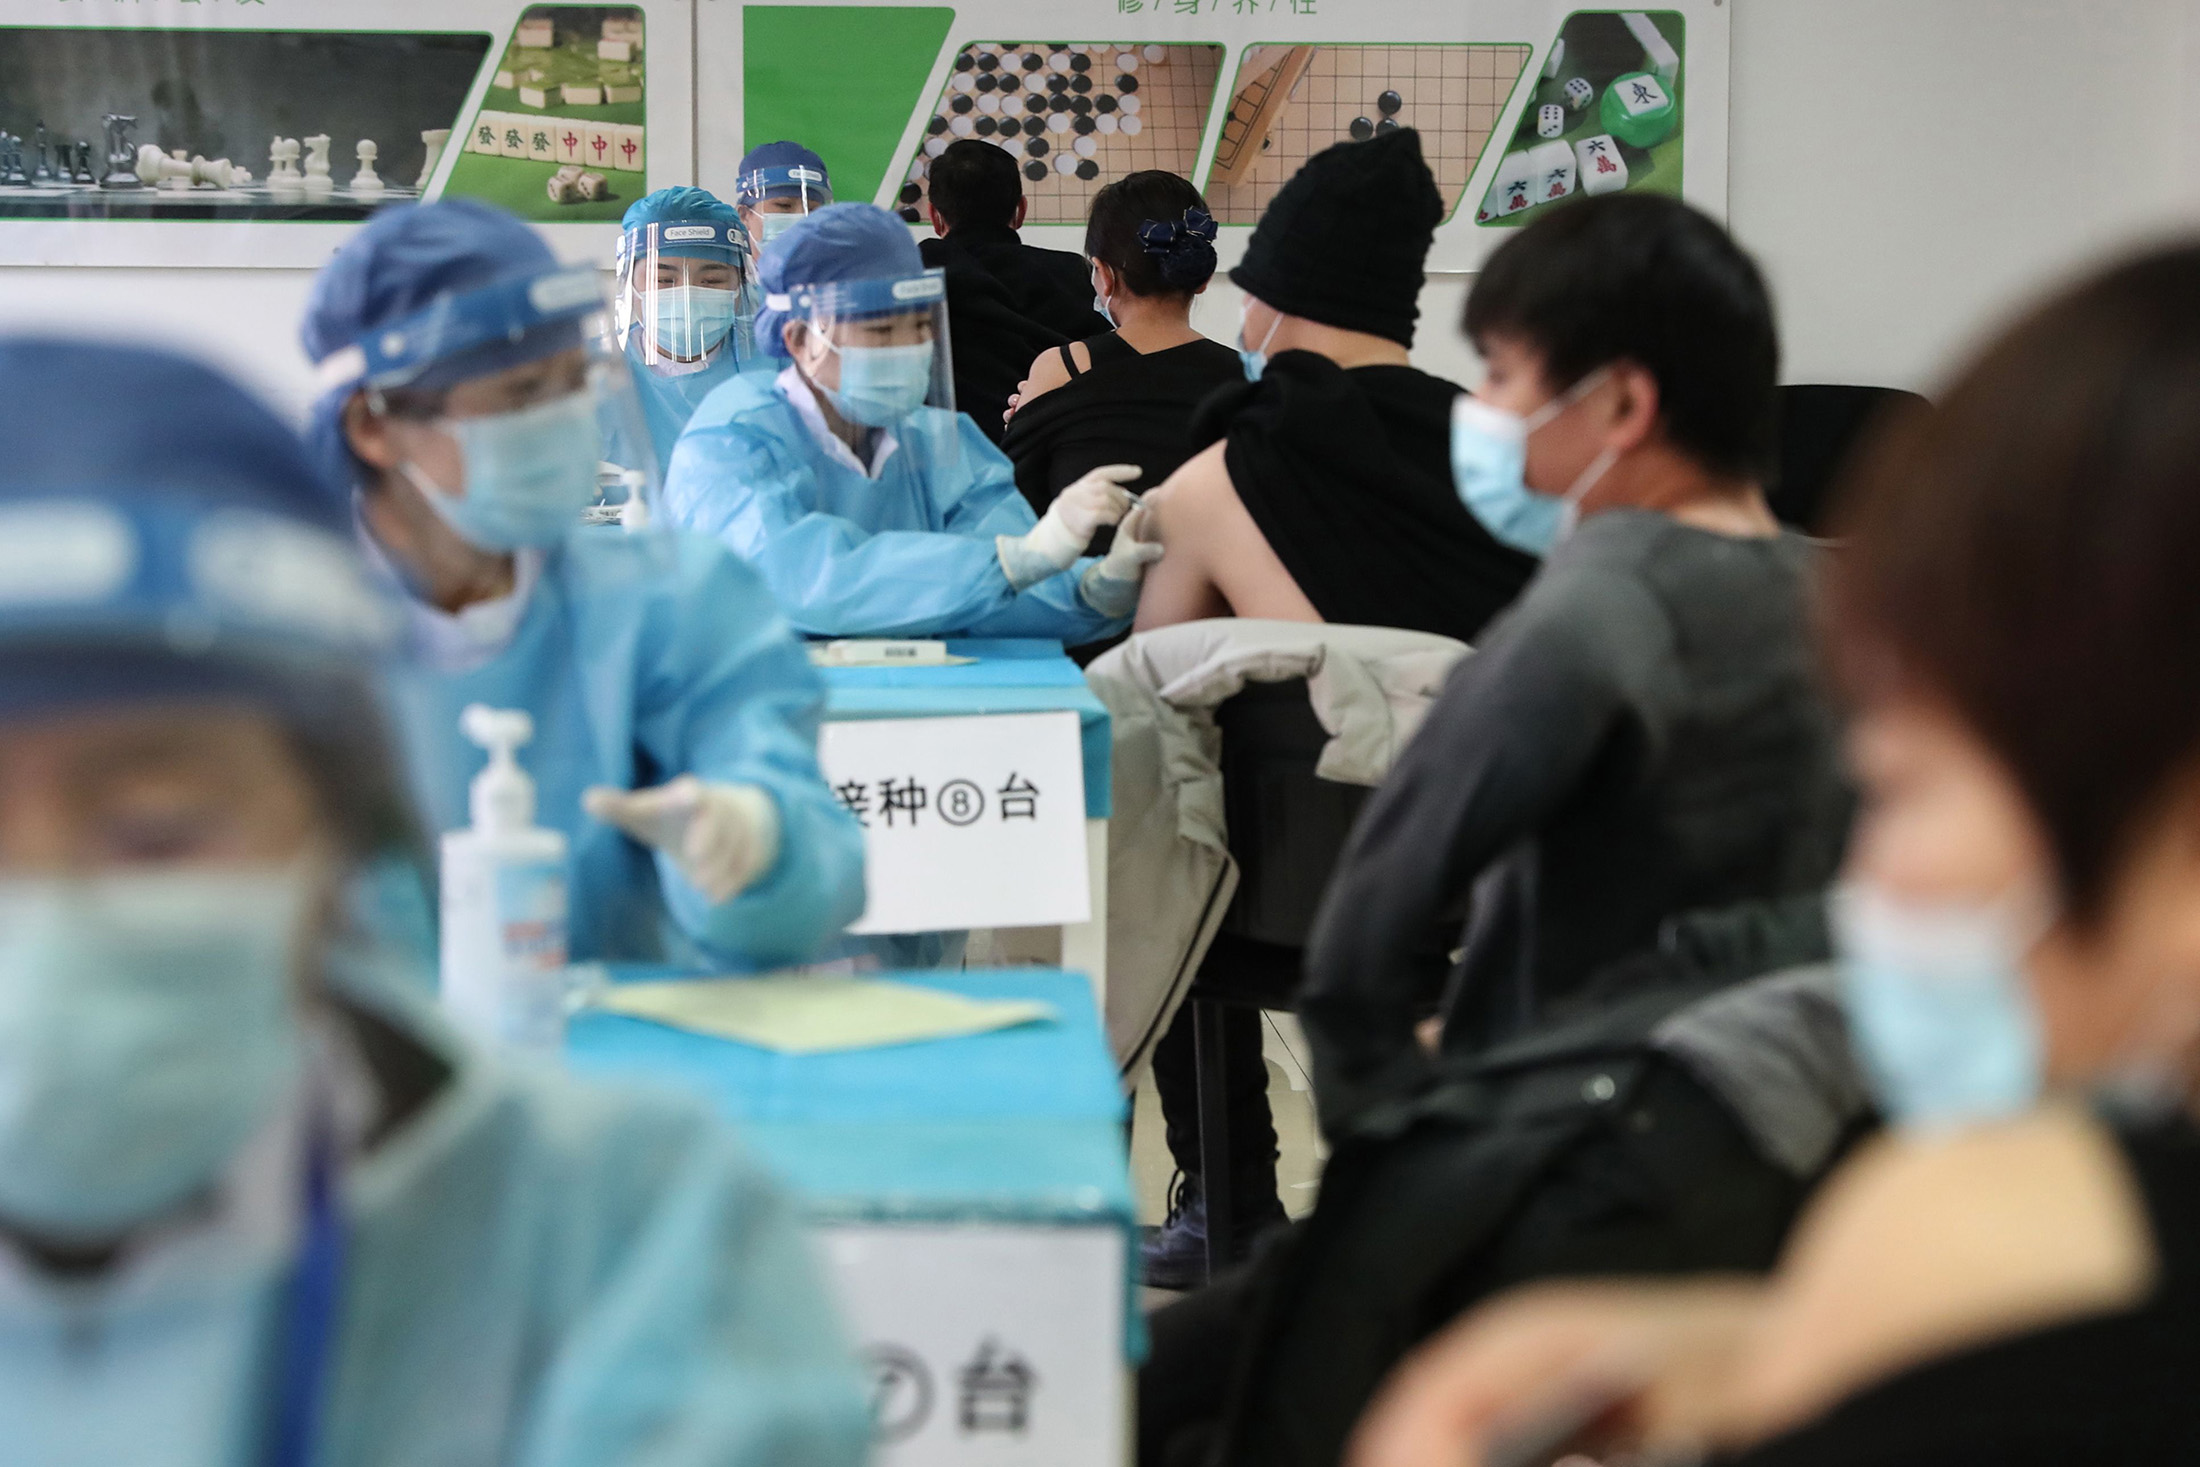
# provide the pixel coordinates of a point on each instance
(1906, 170)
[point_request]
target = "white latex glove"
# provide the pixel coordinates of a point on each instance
(1071, 521)
(721, 836)
(1111, 587)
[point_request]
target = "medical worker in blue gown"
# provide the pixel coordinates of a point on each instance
(675, 716)
(776, 186)
(684, 294)
(258, 1206)
(869, 506)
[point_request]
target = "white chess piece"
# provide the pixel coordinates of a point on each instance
(366, 180)
(282, 174)
(435, 139)
(317, 177)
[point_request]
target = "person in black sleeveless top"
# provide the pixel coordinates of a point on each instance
(1127, 396)
(2012, 1274)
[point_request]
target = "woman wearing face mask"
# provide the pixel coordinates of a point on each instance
(257, 1205)
(686, 305)
(675, 716)
(779, 184)
(869, 506)
(1127, 396)
(1324, 492)
(1641, 735)
(2010, 1276)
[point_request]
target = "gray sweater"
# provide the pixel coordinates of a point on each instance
(1639, 736)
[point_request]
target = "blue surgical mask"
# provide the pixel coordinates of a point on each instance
(529, 474)
(771, 226)
(1489, 461)
(148, 1026)
(1939, 1011)
(1100, 303)
(692, 319)
(1254, 360)
(881, 385)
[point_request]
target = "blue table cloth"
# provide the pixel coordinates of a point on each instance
(1023, 1124)
(1010, 676)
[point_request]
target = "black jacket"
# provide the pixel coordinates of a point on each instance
(1006, 303)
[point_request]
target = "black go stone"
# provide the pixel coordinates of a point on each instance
(1057, 84)
(1082, 106)
(1059, 104)
(1080, 84)
(911, 192)
(1083, 125)
(1126, 83)
(988, 62)
(961, 104)
(936, 126)
(1036, 172)
(1362, 129)
(1080, 63)
(986, 83)
(1104, 102)
(1035, 103)
(1034, 126)
(1033, 61)
(965, 61)
(1036, 148)
(987, 127)
(1389, 104)
(1088, 170)
(1387, 125)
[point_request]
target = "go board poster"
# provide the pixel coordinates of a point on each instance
(1521, 105)
(260, 132)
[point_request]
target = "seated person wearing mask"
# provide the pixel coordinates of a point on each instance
(685, 300)
(867, 503)
(258, 1204)
(1128, 396)
(1642, 734)
(1328, 496)
(2012, 1274)
(1006, 301)
(778, 185)
(675, 715)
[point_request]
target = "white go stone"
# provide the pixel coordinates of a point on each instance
(1087, 146)
(1132, 127)
(1157, 54)
(963, 126)
(1059, 122)
(1126, 61)
(1106, 122)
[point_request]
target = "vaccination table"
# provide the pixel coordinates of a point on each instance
(972, 1201)
(1004, 678)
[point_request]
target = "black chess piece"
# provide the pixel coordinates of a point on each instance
(43, 174)
(121, 152)
(81, 173)
(11, 164)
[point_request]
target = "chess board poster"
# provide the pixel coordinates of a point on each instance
(1521, 105)
(260, 132)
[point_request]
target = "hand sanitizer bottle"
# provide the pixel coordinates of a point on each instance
(504, 901)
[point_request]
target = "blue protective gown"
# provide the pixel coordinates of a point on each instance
(668, 402)
(642, 657)
(908, 554)
(537, 1274)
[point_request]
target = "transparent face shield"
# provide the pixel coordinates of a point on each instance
(773, 200)
(875, 350)
(529, 379)
(684, 296)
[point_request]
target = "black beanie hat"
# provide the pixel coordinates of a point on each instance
(1343, 242)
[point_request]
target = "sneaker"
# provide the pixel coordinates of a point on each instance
(1174, 1255)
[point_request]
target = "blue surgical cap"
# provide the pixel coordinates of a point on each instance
(763, 173)
(682, 205)
(838, 242)
(403, 259)
(185, 551)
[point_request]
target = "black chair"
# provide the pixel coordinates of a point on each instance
(1821, 424)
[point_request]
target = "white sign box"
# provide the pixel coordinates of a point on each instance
(987, 1345)
(967, 822)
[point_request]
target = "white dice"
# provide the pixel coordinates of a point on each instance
(1512, 191)
(1550, 120)
(1579, 93)
(1554, 172)
(1601, 168)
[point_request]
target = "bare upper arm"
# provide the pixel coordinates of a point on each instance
(1048, 373)
(1923, 1246)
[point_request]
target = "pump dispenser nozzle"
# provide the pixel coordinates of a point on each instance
(502, 797)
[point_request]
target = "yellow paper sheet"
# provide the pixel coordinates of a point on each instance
(815, 1014)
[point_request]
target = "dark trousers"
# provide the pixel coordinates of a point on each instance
(1252, 1127)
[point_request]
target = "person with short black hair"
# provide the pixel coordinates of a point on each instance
(1127, 396)
(1006, 301)
(1642, 734)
